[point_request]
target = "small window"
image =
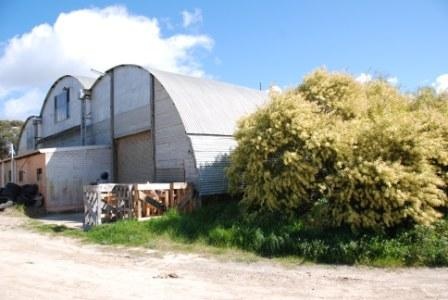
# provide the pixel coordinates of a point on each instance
(21, 176)
(9, 176)
(62, 105)
(38, 174)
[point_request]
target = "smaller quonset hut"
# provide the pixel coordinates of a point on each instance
(158, 126)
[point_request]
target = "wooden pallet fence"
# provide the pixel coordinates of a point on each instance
(106, 203)
(111, 202)
(153, 199)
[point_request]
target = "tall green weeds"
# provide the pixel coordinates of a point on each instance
(225, 226)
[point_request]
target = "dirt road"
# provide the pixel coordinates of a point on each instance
(34, 266)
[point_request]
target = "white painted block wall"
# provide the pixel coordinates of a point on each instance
(68, 170)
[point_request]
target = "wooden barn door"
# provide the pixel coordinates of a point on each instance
(135, 162)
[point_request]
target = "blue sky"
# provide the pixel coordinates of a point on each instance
(243, 42)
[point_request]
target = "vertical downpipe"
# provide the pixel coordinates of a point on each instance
(153, 124)
(13, 165)
(83, 121)
(36, 133)
(112, 126)
(3, 174)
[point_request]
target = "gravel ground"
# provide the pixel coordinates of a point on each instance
(36, 266)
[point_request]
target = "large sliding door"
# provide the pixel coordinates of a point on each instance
(135, 162)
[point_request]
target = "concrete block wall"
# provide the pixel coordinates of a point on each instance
(68, 170)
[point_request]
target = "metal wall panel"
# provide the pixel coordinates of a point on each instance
(23, 146)
(67, 139)
(49, 125)
(98, 133)
(98, 123)
(131, 107)
(212, 159)
(134, 158)
(170, 175)
(132, 121)
(174, 155)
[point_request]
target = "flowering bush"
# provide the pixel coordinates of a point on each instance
(370, 156)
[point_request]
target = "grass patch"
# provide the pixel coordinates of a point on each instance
(222, 230)
(135, 234)
(57, 229)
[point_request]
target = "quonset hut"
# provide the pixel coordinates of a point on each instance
(138, 125)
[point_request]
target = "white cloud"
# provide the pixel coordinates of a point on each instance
(392, 80)
(19, 108)
(94, 38)
(191, 18)
(441, 83)
(366, 77)
(363, 78)
(275, 89)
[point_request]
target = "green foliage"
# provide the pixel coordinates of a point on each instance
(226, 226)
(368, 155)
(129, 232)
(9, 133)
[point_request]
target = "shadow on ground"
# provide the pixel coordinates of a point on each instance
(70, 220)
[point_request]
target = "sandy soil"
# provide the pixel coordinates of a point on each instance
(35, 266)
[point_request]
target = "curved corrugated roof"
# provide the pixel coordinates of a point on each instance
(207, 106)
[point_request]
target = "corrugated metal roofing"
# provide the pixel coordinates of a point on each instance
(212, 159)
(207, 106)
